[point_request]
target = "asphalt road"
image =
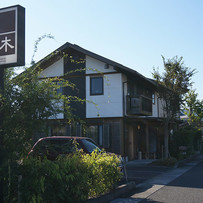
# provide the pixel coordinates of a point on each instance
(188, 188)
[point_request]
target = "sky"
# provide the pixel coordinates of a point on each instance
(135, 33)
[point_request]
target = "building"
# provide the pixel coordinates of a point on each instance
(123, 113)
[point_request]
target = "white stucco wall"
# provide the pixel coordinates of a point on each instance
(54, 70)
(110, 104)
(96, 66)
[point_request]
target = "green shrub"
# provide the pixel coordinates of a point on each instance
(72, 178)
(166, 162)
(188, 137)
(63, 180)
(103, 170)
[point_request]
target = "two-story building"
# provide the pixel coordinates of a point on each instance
(122, 112)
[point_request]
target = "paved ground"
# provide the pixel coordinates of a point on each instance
(142, 170)
(140, 173)
(153, 184)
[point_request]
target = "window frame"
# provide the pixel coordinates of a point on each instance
(102, 87)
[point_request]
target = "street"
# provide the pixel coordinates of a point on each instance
(184, 184)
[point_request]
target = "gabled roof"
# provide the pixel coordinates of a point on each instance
(117, 66)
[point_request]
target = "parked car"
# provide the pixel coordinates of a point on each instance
(52, 147)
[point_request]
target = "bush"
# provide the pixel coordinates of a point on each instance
(103, 172)
(166, 162)
(63, 180)
(68, 179)
(187, 137)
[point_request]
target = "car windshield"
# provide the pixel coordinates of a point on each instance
(90, 146)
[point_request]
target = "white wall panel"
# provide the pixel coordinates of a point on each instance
(54, 70)
(96, 66)
(111, 103)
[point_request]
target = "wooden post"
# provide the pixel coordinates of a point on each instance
(147, 140)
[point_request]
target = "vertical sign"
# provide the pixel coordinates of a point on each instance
(12, 36)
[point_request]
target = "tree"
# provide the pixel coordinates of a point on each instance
(193, 109)
(27, 103)
(171, 87)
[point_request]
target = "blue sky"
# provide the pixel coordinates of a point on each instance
(134, 33)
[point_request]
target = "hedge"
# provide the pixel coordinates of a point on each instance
(70, 178)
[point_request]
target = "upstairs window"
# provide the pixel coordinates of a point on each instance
(153, 98)
(96, 86)
(59, 89)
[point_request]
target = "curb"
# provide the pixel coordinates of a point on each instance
(115, 193)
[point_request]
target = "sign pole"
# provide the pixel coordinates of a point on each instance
(12, 54)
(1, 131)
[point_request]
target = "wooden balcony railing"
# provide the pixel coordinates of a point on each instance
(138, 105)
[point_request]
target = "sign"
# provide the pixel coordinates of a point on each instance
(12, 36)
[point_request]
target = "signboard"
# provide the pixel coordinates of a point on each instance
(12, 36)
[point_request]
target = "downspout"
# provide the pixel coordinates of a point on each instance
(158, 105)
(124, 120)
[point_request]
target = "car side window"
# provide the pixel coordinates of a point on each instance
(90, 146)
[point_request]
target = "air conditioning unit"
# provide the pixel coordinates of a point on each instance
(106, 66)
(135, 103)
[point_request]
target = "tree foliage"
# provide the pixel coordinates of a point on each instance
(27, 102)
(185, 141)
(172, 85)
(193, 108)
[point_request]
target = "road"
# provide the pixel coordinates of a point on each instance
(184, 184)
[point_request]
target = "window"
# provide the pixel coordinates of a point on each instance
(59, 89)
(96, 86)
(92, 132)
(100, 135)
(90, 146)
(95, 132)
(153, 98)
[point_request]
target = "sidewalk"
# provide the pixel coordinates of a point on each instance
(140, 170)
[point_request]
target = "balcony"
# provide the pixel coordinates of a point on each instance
(139, 105)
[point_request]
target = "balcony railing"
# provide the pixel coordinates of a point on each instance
(138, 105)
